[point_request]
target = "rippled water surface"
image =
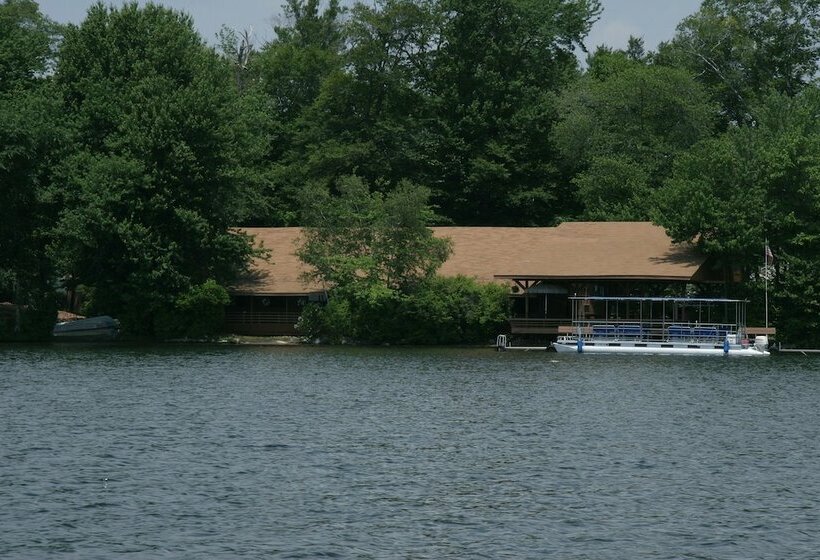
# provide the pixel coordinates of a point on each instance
(302, 452)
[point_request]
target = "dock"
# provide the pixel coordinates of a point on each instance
(502, 345)
(524, 348)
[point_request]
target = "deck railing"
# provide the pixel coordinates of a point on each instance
(261, 323)
(654, 331)
(536, 326)
(266, 317)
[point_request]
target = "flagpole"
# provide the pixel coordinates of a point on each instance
(766, 281)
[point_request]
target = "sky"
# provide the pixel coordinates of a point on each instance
(653, 20)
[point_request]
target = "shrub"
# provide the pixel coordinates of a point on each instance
(330, 323)
(198, 313)
(455, 310)
(441, 310)
(36, 320)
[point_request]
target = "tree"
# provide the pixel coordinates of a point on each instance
(620, 128)
(731, 193)
(495, 79)
(362, 110)
(153, 186)
(291, 72)
(371, 251)
(27, 44)
(30, 138)
(743, 49)
(254, 121)
(360, 239)
(453, 95)
(453, 310)
(378, 259)
(237, 49)
(304, 53)
(373, 119)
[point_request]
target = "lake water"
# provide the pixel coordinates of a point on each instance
(306, 452)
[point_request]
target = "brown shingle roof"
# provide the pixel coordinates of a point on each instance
(571, 251)
(281, 273)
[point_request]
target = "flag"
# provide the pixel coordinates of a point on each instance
(767, 270)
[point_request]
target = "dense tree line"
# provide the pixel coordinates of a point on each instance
(130, 148)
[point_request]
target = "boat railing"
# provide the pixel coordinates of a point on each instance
(655, 331)
(619, 330)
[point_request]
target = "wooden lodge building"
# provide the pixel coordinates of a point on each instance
(541, 266)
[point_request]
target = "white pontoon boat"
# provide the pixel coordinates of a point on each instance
(632, 325)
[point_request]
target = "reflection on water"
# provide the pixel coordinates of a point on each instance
(231, 452)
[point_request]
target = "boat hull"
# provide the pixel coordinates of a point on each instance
(93, 328)
(656, 348)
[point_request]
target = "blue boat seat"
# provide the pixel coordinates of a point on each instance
(630, 331)
(679, 332)
(603, 331)
(709, 333)
(617, 331)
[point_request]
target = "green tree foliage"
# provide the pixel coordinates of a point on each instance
(743, 49)
(439, 310)
(304, 53)
(125, 164)
(27, 41)
(360, 240)
(237, 50)
(495, 78)
(457, 96)
(199, 313)
(621, 127)
(378, 259)
(30, 134)
(759, 61)
(332, 323)
(373, 119)
(290, 73)
(153, 185)
(368, 114)
(254, 122)
(731, 192)
(454, 310)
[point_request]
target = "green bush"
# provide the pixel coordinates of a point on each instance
(455, 310)
(330, 323)
(36, 320)
(198, 313)
(441, 310)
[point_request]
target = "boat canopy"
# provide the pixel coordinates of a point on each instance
(660, 299)
(658, 312)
